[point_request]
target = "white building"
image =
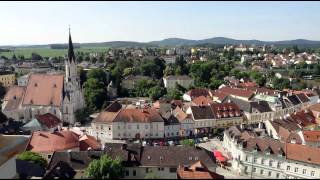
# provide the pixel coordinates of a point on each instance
(259, 156)
(23, 80)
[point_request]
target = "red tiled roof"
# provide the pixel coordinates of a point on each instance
(219, 94)
(48, 120)
(236, 92)
(225, 110)
(311, 136)
(130, 115)
(303, 153)
(87, 141)
(42, 142)
(179, 114)
(193, 93)
(197, 171)
(14, 92)
(44, 89)
(201, 100)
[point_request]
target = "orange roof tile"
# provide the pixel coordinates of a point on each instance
(49, 142)
(44, 89)
(303, 153)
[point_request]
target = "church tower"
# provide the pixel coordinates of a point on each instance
(73, 97)
(70, 62)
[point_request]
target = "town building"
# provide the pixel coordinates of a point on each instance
(116, 122)
(184, 80)
(163, 161)
(7, 79)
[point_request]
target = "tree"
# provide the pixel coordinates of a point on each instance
(33, 157)
(83, 75)
(174, 94)
(105, 168)
(82, 115)
(128, 71)
(156, 92)
(94, 93)
(188, 142)
(36, 56)
(14, 58)
(98, 74)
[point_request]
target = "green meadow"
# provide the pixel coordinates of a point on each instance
(47, 52)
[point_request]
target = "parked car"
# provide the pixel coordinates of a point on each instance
(171, 143)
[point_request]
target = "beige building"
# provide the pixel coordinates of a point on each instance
(7, 80)
(170, 81)
(118, 123)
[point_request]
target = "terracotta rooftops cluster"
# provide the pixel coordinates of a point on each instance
(116, 114)
(197, 171)
(216, 111)
(44, 142)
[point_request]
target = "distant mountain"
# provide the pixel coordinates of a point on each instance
(185, 42)
(224, 40)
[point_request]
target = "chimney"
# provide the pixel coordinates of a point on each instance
(260, 125)
(242, 126)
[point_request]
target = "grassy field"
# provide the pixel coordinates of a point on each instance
(47, 52)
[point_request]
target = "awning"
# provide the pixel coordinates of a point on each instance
(217, 153)
(221, 158)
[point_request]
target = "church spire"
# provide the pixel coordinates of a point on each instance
(71, 56)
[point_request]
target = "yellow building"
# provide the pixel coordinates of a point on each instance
(7, 79)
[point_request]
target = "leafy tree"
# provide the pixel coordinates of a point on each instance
(141, 88)
(83, 75)
(14, 58)
(98, 74)
(169, 70)
(215, 83)
(36, 56)
(188, 142)
(280, 83)
(105, 168)
(178, 71)
(128, 71)
(33, 157)
(94, 93)
(81, 115)
(174, 94)
(156, 92)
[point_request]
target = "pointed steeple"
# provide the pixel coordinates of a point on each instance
(71, 56)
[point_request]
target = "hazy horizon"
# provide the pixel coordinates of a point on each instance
(40, 23)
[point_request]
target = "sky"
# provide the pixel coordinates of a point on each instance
(47, 22)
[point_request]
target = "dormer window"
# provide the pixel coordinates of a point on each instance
(149, 157)
(161, 158)
(14, 97)
(35, 85)
(54, 85)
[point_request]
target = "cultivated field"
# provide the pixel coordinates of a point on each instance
(47, 52)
